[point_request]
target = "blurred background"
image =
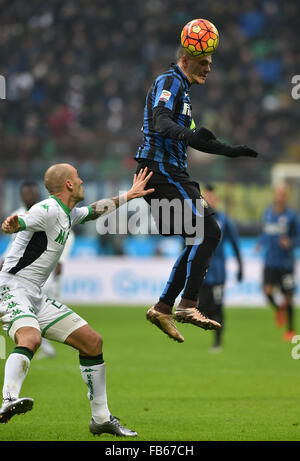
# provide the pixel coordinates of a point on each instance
(77, 73)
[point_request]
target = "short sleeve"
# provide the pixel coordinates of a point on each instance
(80, 215)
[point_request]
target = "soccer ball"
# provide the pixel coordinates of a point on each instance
(199, 37)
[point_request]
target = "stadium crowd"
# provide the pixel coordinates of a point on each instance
(77, 73)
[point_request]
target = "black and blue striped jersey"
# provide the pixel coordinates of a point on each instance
(169, 93)
(277, 225)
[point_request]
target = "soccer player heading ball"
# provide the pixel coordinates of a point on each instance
(168, 130)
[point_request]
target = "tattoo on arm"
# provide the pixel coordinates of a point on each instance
(105, 206)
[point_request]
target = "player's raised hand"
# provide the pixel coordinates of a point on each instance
(244, 151)
(140, 181)
(11, 224)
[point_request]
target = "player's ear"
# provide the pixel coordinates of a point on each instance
(69, 184)
(184, 60)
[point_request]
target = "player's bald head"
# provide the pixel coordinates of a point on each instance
(56, 176)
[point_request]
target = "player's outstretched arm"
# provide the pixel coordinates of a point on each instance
(199, 140)
(137, 190)
(11, 224)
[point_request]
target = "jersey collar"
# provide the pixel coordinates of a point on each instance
(64, 207)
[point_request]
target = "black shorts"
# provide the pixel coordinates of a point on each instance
(281, 278)
(171, 183)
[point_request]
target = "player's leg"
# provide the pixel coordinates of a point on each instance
(218, 315)
(52, 290)
(161, 313)
(279, 309)
(289, 309)
(198, 263)
(17, 365)
(168, 218)
(271, 280)
(194, 218)
(287, 288)
(210, 305)
(206, 301)
(268, 289)
(93, 371)
(92, 368)
(20, 322)
(60, 323)
(176, 280)
(187, 273)
(168, 187)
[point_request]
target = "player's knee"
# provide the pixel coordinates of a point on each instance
(97, 344)
(93, 344)
(28, 337)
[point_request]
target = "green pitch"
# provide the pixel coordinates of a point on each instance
(168, 391)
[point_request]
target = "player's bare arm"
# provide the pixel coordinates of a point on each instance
(11, 224)
(137, 190)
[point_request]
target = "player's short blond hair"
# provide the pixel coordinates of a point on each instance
(180, 52)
